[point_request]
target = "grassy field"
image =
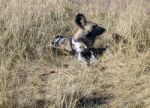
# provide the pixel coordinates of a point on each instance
(34, 78)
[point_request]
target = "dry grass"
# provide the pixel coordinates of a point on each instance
(119, 79)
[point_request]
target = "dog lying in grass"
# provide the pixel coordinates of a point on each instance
(81, 43)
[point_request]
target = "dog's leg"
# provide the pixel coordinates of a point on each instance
(93, 56)
(79, 56)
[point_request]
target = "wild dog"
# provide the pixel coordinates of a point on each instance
(82, 41)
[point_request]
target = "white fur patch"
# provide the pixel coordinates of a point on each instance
(78, 47)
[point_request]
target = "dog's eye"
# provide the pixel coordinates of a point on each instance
(94, 26)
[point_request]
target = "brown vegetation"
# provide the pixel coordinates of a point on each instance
(30, 77)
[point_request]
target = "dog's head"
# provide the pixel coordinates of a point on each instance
(87, 30)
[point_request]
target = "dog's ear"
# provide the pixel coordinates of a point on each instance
(80, 20)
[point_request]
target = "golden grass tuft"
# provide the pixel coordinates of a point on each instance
(31, 77)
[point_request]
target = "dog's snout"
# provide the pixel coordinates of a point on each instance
(101, 30)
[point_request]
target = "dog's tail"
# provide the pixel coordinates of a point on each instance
(58, 40)
(62, 44)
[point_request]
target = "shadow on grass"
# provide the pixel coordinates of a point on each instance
(94, 101)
